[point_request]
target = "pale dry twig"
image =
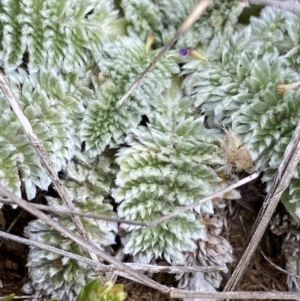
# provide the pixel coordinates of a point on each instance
(278, 267)
(178, 211)
(280, 183)
(176, 293)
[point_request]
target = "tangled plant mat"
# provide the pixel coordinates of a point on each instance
(220, 104)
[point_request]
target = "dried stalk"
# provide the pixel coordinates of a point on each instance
(216, 194)
(190, 20)
(42, 246)
(11, 226)
(178, 211)
(278, 267)
(175, 269)
(62, 210)
(281, 182)
(108, 268)
(37, 145)
(18, 298)
(176, 293)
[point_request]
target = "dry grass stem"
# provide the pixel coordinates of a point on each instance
(180, 210)
(42, 246)
(108, 268)
(25, 297)
(280, 183)
(176, 293)
(278, 267)
(62, 210)
(216, 194)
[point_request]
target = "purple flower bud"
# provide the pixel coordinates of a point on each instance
(183, 51)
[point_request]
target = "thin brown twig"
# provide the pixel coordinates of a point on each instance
(62, 210)
(278, 267)
(218, 193)
(178, 211)
(51, 249)
(11, 226)
(193, 16)
(109, 268)
(80, 241)
(280, 183)
(175, 269)
(18, 297)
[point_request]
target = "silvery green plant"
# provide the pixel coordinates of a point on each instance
(54, 108)
(69, 63)
(250, 85)
(106, 122)
(56, 33)
(87, 181)
(163, 17)
(169, 163)
(173, 162)
(44, 45)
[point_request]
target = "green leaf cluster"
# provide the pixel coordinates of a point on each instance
(250, 85)
(54, 108)
(8, 297)
(106, 122)
(95, 290)
(87, 182)
(163, 18)
(56, 33)
(169, 163)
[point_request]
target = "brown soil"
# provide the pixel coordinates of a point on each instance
(13, 255)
